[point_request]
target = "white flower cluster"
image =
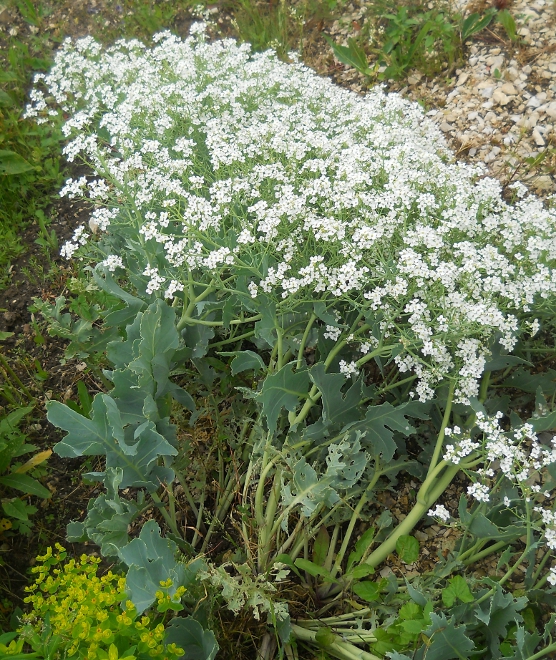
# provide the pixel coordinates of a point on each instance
(78, 239)
(462, 447)
(348, 368)
(112, 262)
(156, 280)
(242, 160)
(516, 455)
(440, 512)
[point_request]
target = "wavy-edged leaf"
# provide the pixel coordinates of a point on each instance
(151, 559)
(284, 389)
(136, 451)
(382, 421)
(337, 408)
(244, 360)
(447, 641)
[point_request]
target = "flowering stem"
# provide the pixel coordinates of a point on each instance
(539, 569)
(304, 341)
(445, 421)
(468, 560)
(193, 300)
(543, 652)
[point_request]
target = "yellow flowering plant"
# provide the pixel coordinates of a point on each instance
(76, 613)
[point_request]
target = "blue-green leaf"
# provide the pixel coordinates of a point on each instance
(198, 643)
(447, 641)
(283, 389)
(244, 360)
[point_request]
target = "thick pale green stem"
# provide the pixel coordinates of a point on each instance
(427, 496)
(445, 422)
(338, 648)
(543, 652)
(468, 560)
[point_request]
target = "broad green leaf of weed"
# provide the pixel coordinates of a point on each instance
(475, 23)
(313, 569)
(407, 548)
(352, 55)
(320, 546)
(508, 23)
(12, 163)
(457, 589)
(25, 484)
(367, 590)
(361, 546)
(18, 509)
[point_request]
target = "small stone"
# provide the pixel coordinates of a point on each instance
(538, 138)
(450, 117)
(512, 73)
(552, 67)
(534, 102)
(500, 98)
(413, 80)
(543, 182)
(495, 62)
(462, 79)
(445, 127)
(551, 110)
(508, 89)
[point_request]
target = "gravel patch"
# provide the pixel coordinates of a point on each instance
(499, 107)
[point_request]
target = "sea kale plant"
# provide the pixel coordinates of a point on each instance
(355, 297)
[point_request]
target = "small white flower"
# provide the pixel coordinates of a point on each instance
(440, 511)
(112, 262)
(348, 369)
(479, 491)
